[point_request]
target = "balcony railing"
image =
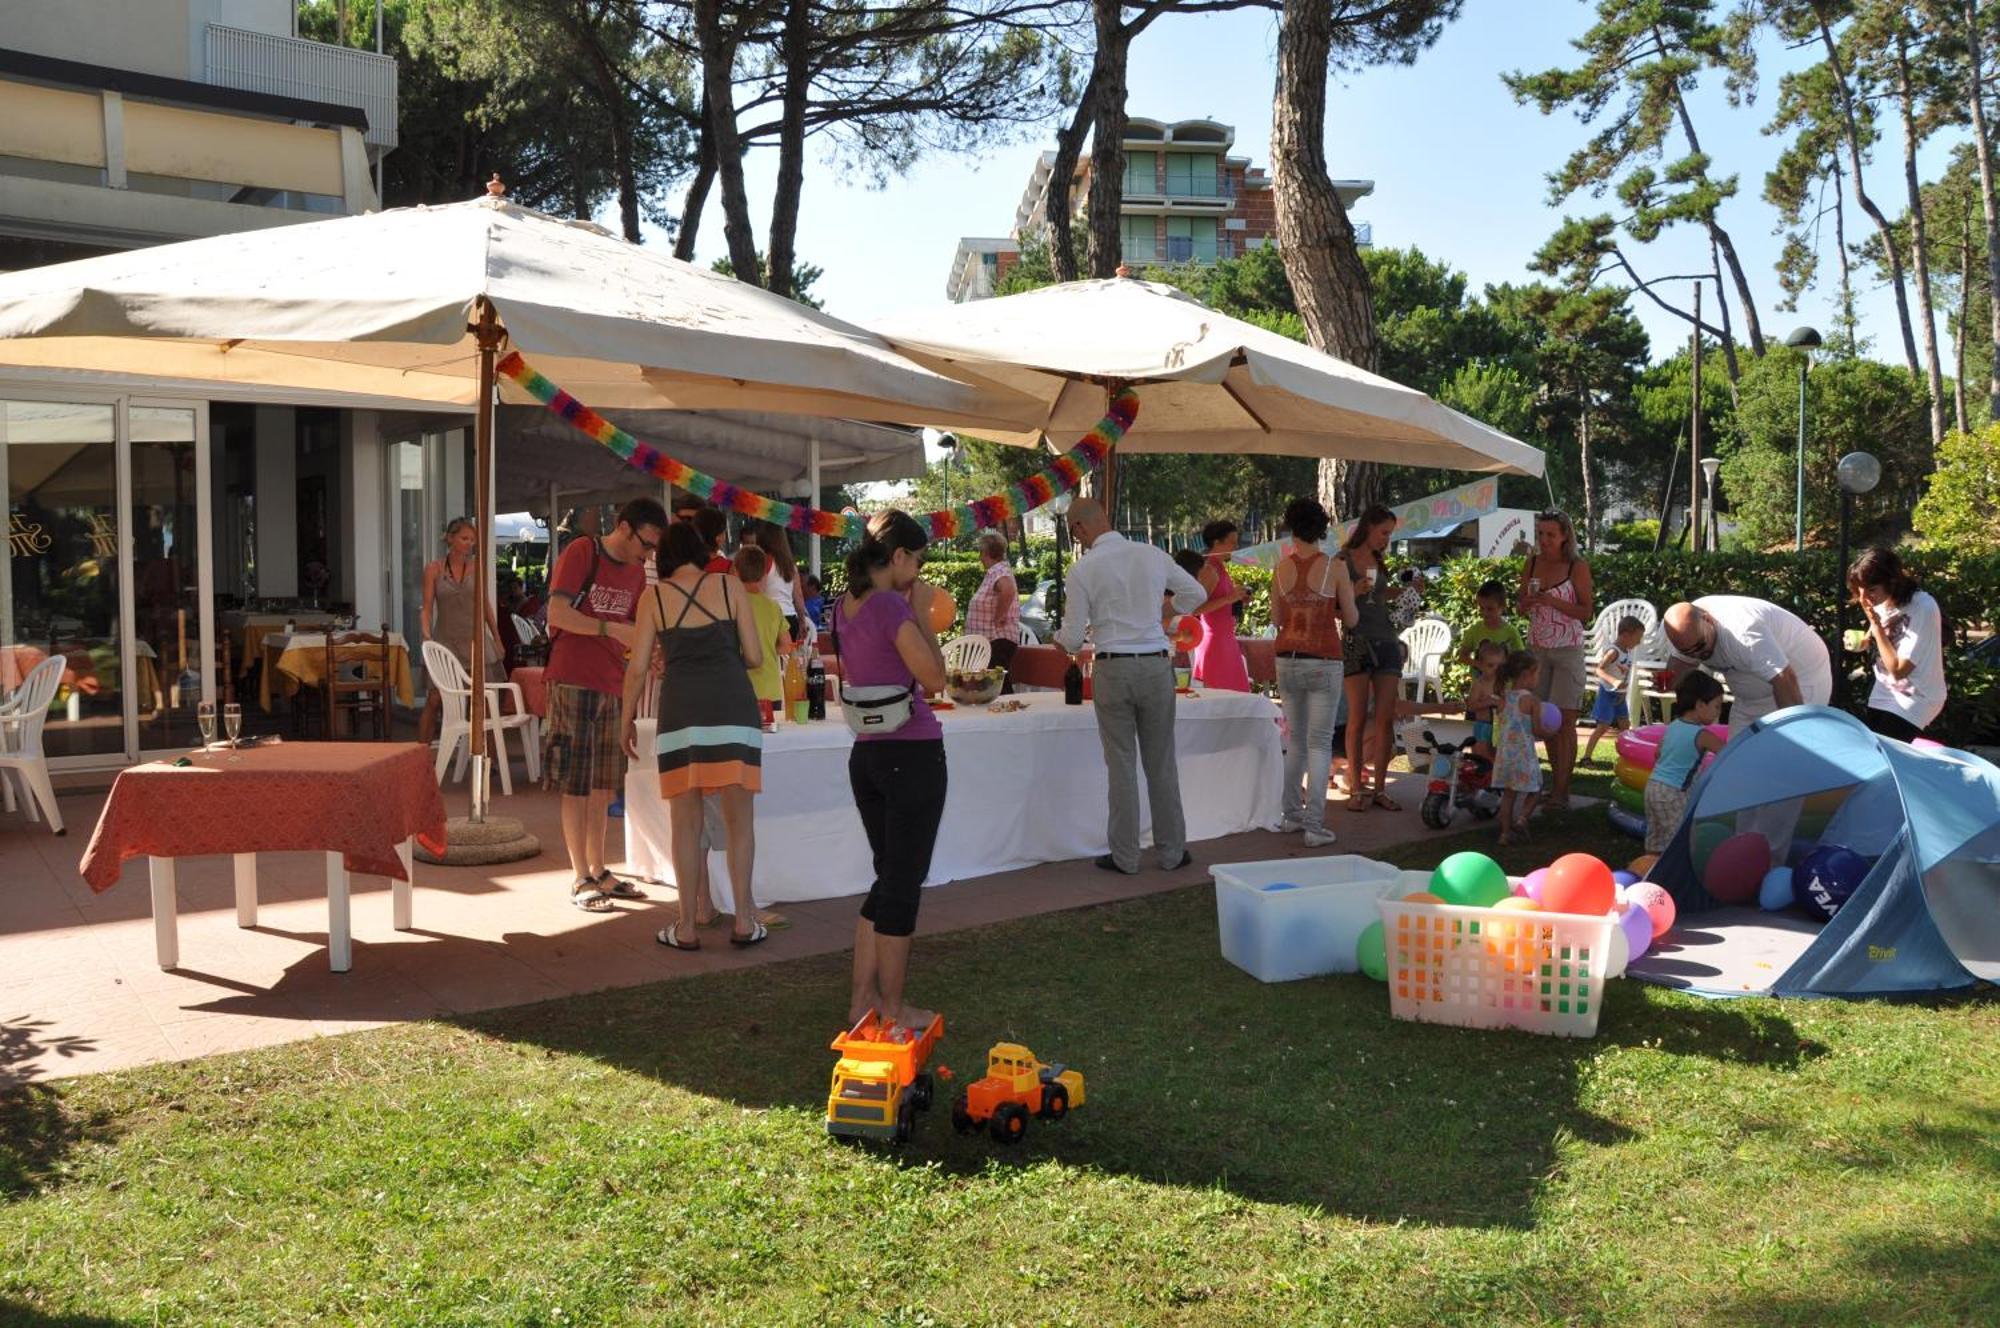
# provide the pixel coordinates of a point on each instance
(1219, 188)
(1364, 234)
(310, 71)
(1180, 249)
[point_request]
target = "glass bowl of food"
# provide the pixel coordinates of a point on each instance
(975, 688)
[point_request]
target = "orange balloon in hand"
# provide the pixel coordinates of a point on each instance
(944, 610)
(1187, 632)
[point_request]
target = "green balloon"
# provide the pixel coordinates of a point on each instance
(1708, 836)
(1471, 880)
(1369, 954)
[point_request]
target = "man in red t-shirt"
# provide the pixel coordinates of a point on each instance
(593, 599)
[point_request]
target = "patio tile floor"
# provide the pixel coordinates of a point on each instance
(80, 992)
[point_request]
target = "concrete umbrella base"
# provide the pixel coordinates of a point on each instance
(482, 843)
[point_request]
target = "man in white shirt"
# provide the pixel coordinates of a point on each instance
(1768, 655)
(1114, 596)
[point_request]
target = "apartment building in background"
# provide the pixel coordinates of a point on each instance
(1186, 199)
(126, 123)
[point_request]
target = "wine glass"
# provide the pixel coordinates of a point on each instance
(232, 722)
(204, 715)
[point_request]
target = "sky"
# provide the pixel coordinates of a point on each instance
(1459, 168)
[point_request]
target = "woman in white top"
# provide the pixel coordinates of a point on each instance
(781, 584)
(1907, 629)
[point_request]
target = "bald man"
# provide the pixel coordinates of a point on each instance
(1767, 655)
(1114, 595)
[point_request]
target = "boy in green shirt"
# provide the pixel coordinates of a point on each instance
(1492, 624)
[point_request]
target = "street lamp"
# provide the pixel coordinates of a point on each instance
(1709, 465)
(1805, 340)
(1858, 473)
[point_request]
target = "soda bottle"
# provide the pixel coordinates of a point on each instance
(1073, 683)
(816, 688)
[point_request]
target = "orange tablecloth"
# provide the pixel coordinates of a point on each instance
(359, 799)
(302, 659)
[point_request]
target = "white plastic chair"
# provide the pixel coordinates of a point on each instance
(1650, 655)
(1425, 643)
(968, 654)
(525, 630)
(1028, 637)
(22, 716)
(454, 689)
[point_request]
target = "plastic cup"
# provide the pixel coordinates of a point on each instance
(799, 712)
(768, 712)
(1184, 679)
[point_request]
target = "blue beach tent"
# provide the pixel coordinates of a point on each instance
(1925, 918)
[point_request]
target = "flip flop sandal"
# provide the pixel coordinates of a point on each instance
(617, 887)
(590, 899)
(671, 938)
(1387, 803)
(758, 933)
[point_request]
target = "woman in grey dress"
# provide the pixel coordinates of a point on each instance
(447, 612)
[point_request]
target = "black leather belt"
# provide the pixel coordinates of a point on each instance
(1131, 654)
(1302, 654)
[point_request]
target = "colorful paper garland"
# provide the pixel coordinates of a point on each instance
(1060, 476)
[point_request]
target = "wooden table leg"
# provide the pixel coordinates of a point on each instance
(246, 889)
(166, 929)
(339, 941)
(400, 891)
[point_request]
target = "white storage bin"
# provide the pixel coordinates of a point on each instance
(1277, 935)
(1496, 968)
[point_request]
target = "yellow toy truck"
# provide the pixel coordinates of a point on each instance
(1016, 1086)
(880, 1083)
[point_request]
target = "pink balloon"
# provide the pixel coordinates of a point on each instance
(1657, 903)
(1927, 744)
(1531, 884)
(1638, 925)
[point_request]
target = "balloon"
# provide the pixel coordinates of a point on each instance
(1641, 746)
(1631, 774)
(1471, 880)
(944, 610)
(1776, 891)
(1825, 880)
(1637, 924)
(1928, 745)
(1624, 878)
(1531, 884)
(1422, 897)
(1187, 632)
(1642, 864)
(1707, 837)
(1579, 883)
(1737, 867)
(1659, 905)
(1552, 718)
(1369, 954)
(1519, 904)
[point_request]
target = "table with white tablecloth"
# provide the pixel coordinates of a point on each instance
(1025, 787)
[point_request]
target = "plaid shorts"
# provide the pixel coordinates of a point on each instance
(580, 748)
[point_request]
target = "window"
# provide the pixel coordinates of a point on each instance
(1137, 241)
(1140, 173)
(1192, 175)
(1191, 240)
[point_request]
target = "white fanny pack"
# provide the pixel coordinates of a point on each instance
(869, 711)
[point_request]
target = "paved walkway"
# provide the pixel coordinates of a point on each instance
(80, 991)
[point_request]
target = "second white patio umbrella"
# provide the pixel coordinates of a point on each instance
(1207, 382)
(414, 305)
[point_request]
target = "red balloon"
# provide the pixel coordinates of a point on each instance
(1737, 867)
(1579, 883)
(1187, 632)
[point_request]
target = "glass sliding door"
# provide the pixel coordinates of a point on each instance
(169, 629)
(107, 568)
(64, 585)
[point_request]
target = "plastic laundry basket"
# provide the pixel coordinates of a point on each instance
(1495, 968)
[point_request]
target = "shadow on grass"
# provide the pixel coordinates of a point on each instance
(17, 1314)
(1302, 1093)
(38, 1129)
(1913, 1279)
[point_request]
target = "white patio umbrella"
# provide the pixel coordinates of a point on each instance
(414, 305)
(1206, 382)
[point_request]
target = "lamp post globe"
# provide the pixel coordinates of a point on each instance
(1859, 472)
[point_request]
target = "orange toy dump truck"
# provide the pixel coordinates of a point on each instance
(1016, 1086)
(879, 1083)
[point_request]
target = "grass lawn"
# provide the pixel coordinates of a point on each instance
(1249, 1154)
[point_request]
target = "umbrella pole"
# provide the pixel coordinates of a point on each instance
(487, 334)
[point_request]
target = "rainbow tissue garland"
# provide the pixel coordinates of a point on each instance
(1060, 476)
